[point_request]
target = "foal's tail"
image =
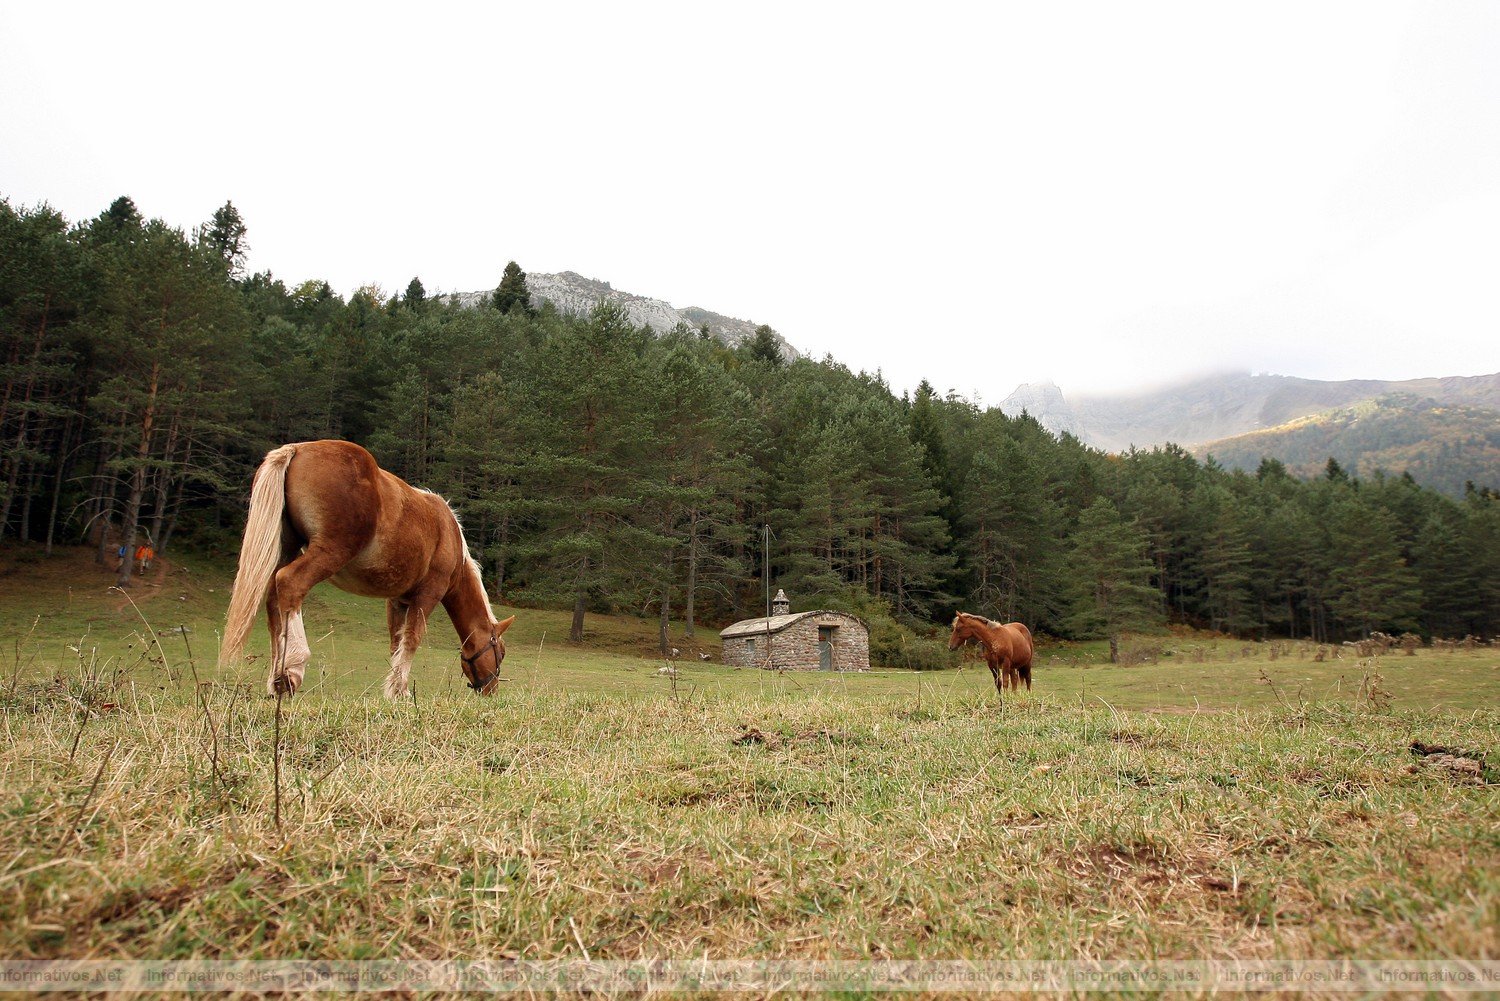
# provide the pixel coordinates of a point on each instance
(260, 552)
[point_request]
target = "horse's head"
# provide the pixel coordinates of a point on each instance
(482, 666)
(963, 631)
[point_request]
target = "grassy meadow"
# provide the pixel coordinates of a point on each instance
(1224, 800)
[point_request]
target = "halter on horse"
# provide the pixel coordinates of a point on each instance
(1007, 648)
(323, 510)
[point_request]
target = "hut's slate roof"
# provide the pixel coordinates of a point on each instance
(776, 623)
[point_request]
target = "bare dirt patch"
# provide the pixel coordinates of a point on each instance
(1459, 765)
(1146, 866)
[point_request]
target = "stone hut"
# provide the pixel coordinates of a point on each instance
(798, 641)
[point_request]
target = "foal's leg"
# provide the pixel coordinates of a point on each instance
(408, 622)
(999, 678)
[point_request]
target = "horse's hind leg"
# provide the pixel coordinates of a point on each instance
(288, 640)
(290, 651)
(288, 590)
(408, 624)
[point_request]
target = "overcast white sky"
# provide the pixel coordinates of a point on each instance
(1107, 195)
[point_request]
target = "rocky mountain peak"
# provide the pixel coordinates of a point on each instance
(570, 292)
(1044, 401)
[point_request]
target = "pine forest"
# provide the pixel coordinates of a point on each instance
(598, 466)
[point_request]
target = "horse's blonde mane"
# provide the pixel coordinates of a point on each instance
(469, 559)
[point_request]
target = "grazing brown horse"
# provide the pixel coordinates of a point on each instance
(323, 510)
(1007, 648)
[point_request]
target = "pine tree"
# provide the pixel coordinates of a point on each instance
(1010, 527)
(589, 463)
(170, 335)
(1111, 574)
(1449, 576)
(1222, 560)
(225, 236)
(764, 346)
(122, 220)
(41, 293)
(1482, 542)
(415, 298)
(512, 293)
(701, 421)
(1370, 585)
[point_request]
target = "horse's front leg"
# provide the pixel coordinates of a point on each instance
(395, 620)
(998, 675)
(408, 622)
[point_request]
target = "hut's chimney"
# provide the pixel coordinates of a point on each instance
(781, 604)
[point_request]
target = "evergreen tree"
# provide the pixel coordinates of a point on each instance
(1370, 585)
(702, 422)
(1482, 544)
(893, 522)
(1222, 559)
(589, 465)
(1111, 574)
(171, 336)
(225, 236)
(1010, 528)
(512, 293)
(41, 293)
(122, 220)
(764, 346)
(485, 456)
(1449, 576)
(415, 298)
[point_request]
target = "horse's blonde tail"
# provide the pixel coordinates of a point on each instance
(260, 552)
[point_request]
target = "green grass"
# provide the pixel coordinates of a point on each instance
(61, 618)
(739, 813)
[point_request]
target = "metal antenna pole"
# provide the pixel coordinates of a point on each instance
(765, 564)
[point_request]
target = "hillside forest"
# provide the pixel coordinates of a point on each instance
(1442, 445)
(599, 466)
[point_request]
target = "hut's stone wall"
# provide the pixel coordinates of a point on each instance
(794, 647)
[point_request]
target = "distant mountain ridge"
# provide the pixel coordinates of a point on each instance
(1214, 408)
(1443, 446)
(572, 293)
